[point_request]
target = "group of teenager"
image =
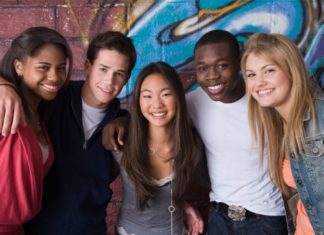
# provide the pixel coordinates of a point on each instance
(255, 125)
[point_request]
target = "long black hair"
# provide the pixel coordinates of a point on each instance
(135, 160)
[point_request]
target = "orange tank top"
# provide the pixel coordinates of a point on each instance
(303, 225)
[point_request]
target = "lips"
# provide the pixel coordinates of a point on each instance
(108, 90)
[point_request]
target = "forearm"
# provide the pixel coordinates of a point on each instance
(11, 110)
(4, 82)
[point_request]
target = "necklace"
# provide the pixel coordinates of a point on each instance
(171, 207)
(35, 125)
(155, 152)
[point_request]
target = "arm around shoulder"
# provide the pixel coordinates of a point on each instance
(11, 110)
(113, 134)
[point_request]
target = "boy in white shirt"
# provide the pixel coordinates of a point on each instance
(243, 198)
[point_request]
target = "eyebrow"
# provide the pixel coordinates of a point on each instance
(164, 89)
(263, 67)
(46, 63)
(214, 61)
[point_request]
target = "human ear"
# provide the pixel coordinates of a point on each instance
(87, 67)
(19, 67)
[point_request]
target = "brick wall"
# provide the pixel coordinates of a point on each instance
(77, 20)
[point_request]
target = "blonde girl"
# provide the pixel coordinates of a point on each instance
(287, 112)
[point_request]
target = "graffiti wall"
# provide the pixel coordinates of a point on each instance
(168, 30)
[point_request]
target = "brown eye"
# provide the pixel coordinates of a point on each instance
(222, 66)
(202, 69)
(268, 71)
(44, 68)
(250, 75)
(121, 75)
(62, 68)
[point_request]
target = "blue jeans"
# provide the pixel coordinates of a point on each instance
(221, 224)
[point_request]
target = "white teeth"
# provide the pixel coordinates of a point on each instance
(159, 114)
(265, 92)
(50, 88)
(216, 88)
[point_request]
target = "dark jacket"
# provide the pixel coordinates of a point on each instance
(76, 190)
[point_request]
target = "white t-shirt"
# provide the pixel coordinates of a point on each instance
(91, 117)
(236, 173)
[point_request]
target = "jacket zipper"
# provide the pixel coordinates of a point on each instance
(84, 145)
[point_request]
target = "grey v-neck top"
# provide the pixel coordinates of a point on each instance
(153, 220)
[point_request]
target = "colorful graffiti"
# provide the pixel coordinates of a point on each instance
(168, 29)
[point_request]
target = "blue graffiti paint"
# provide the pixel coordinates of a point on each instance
(314, 57)
(210, 5)
(169, 30)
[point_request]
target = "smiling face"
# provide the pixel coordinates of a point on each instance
(157, 101)
(217, 72)
(105, 78)
(43, 74)
(268, 83)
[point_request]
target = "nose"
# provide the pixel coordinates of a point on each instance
(157, 102)
(213, 72)
(260, 80)
(53, 75)
(109, 77)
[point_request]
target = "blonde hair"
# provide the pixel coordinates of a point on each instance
(265, 122)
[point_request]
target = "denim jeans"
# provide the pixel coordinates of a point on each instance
(221, 224)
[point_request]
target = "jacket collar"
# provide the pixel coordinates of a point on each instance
(306, 116)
